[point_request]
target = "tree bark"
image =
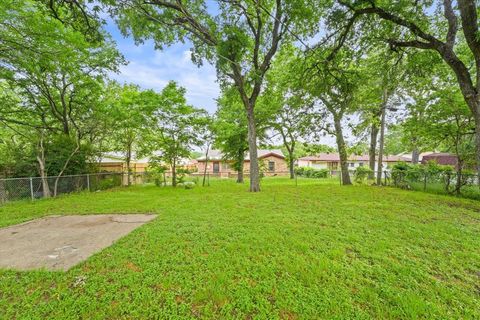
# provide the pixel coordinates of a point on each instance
(372, 152)
(415, 156)
(477, 141)
(65, 165)
(42, 170)
(241, 160)
(240, 174)
(342, 151)
(128, 161)
(291, 164)
(252, 149)
(382, 138)
(206, 163)
(174, 173)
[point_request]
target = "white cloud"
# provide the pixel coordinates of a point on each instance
(153, 69)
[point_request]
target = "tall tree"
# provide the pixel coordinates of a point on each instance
(175, 127)
(240, 38)
(130, 108)
(231, 131)
(334, 84)
(405, 24)
(292, 114)
(58, 76)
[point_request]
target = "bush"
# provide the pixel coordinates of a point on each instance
(404, 175)
(106, 184)
(181, 173)
(311, 172)
(361, 174)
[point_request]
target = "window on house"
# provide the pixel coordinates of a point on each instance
(352, 164)
(361, 164)
(271, 166)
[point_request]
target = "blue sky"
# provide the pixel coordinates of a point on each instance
(152, 69)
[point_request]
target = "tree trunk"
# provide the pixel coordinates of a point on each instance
(342, 151)
(382, 138)
(65, 165)
(252, 148)
(459, 183)
(43, 177)
(206, 163)
(174, 174)
(477, 141)
(42, 170)
(241, 161)
(240, 174)
(128, 161)
(372, 152)
(291, 164)
(415, 156)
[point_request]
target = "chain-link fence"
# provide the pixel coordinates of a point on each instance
(465, 185)
(36, 187)
(32, 188)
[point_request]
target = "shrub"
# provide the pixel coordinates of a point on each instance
(106, 184)
(311, 172)
(299, 171)
(361, 174)
(181, 173)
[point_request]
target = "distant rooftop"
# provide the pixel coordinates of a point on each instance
(336, 157)
(217, 154)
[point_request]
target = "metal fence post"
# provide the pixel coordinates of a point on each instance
(88, 182)
(31, 188)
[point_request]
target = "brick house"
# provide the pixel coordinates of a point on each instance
(331, 161)
(272, 163)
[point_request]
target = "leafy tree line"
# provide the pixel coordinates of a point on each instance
(386, 76)
(60, 111)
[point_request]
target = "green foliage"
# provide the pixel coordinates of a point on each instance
(230, 128)
(174, 126)
(213, 253)
(423, 177)
(309, 172)
(105, 184)
(53, 78)
(59, 149)
(361, 174)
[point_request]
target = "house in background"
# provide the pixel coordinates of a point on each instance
(442, 158)
(115, 162)
(272, 162)
(331, 161)
(408, 155)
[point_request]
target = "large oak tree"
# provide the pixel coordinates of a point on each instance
(239, 37)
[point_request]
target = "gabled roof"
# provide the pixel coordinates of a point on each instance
(408, 155)
(336, 157)
(262, 153)
(441, 158)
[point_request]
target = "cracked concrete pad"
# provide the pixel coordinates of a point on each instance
(60, 242)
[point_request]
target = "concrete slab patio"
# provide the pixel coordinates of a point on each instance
(60, 242)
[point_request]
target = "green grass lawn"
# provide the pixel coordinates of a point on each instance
(316, 250)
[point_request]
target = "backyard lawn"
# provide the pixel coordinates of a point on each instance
(316, 250)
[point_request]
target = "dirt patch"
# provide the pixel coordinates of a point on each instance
(60, 242)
